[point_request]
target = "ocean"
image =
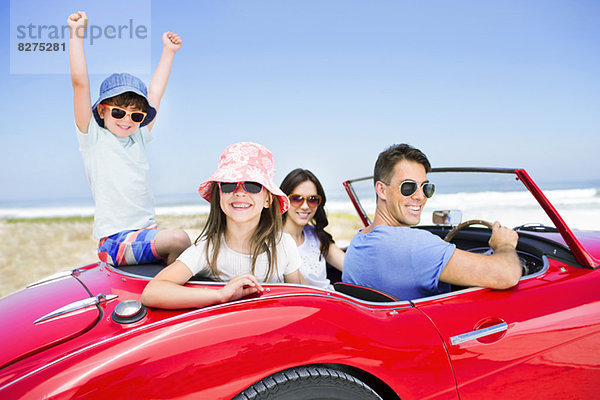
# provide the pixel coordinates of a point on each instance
(578, 206)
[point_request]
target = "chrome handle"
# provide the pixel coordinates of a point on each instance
(479, 333)
(77, 305)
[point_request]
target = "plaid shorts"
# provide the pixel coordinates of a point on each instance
(129, 248)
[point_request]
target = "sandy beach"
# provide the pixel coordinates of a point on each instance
(31, 249)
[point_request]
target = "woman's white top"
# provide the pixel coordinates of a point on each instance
(231, 263)
(314, 268)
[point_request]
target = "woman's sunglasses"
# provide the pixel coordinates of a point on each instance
(410, 187)
(249, 187)
(297, 200)
(119, 113)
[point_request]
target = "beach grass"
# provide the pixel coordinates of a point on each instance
(31, 249)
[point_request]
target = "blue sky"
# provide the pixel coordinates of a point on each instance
(326, 85)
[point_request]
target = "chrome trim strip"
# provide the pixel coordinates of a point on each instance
(479, 333)
(77, 305)
(542, 271)
(268, 285)
(53, 277)
(415, 301)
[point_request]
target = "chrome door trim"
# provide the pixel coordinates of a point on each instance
(479, 333)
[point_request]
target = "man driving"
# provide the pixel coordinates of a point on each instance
(409, 263)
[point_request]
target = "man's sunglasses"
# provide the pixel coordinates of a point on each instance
(410, 187)
(249, 187)
(119, 113)
(297, 200)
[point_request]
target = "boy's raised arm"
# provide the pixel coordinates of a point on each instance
(158, 84)
(82, 104)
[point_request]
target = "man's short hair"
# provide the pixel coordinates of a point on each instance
(387, 160)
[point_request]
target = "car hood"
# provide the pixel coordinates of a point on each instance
(22, 336)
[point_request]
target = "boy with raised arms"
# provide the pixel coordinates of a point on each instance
(113, 134)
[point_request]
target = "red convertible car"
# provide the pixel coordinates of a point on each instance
(84, 333)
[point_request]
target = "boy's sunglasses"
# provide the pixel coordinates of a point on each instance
(249, 187)
(410, 187)
(119, 113)
(297, 200)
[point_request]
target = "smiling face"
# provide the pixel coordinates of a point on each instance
(303, 214)
(241, 207)
(396, 209)
(123, 127)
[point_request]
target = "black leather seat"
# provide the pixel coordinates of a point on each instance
(150, 271)
(147, 270)
(364, 293)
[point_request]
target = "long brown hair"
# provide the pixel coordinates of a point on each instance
(319, 221)
(264, 240)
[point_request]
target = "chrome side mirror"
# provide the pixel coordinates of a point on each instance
(447, 217)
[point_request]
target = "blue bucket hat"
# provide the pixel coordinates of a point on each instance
(117, 84)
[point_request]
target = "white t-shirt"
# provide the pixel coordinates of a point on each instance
(314, 268)
(117, 170)
(231, 263)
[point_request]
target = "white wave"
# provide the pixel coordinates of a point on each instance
(186, 209)
(580, 208)
(47, 212)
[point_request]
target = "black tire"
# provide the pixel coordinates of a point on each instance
(309, 383)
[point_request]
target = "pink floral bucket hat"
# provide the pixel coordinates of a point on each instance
(246, 162)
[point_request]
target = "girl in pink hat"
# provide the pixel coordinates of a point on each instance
(242, 242)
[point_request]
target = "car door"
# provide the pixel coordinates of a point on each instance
(538, 340)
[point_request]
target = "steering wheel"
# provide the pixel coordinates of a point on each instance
(465, 224)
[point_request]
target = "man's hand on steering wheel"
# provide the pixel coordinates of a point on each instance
(503, 237)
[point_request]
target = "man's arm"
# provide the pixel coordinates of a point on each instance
(501, 270)
(158, 84)
(82, 104)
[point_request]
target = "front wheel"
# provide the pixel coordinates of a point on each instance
(309, 383)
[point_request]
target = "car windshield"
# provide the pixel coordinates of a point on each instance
(494, 197)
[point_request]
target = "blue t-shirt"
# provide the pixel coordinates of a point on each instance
(401, 261)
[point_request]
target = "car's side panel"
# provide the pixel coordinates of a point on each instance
(549, 349)
(217, 352)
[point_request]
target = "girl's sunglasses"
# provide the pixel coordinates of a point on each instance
(410, 187)
(297, 200)
(249, 187)
(119, 113)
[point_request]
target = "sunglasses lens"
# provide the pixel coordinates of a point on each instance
(252, 187)
(296, 200)
(117, 113)
(313, 201)
(408, 188)
(428, 189)
(137, 117)
(227, 187)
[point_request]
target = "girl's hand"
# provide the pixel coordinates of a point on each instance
(172, 41)
(77, 21)
(240, 286)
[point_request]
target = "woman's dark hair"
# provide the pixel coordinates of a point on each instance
(290, 182)
(128, 99)
(264, 240)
